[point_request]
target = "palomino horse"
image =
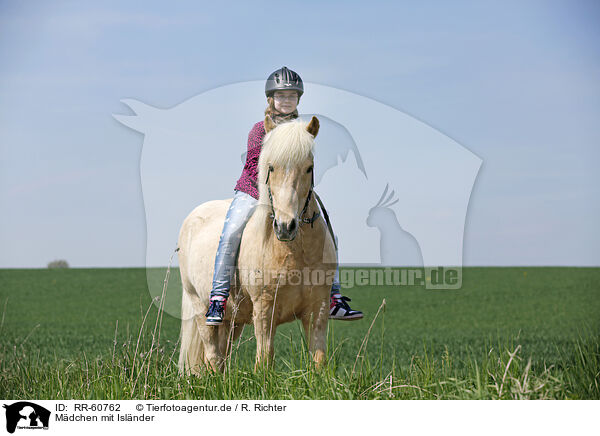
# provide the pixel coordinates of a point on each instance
(285, 264)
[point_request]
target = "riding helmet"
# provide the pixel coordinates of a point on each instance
(283, 80)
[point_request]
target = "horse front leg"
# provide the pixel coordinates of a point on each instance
(315, 329)
(265, 327)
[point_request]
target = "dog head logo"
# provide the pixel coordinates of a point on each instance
(26, 415)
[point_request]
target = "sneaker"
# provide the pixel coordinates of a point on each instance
(216, 311)
(339, 309)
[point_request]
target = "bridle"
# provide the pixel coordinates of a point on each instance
(303, 220)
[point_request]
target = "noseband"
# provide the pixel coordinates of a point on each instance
(303, 220)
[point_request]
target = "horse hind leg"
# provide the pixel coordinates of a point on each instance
(213, 357)
(199, 347)
(228, 334)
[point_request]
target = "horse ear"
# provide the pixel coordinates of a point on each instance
(269, 124)
(313, 126)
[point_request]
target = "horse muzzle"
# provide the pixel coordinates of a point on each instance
(286, 231)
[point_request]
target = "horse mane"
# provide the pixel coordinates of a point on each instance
(287, 146)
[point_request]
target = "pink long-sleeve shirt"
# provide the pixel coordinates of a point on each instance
(248, 180)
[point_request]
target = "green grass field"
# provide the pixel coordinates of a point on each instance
(509, 333)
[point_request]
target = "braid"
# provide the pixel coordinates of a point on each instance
(276, 116)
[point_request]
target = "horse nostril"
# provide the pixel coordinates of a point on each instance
(292, 226)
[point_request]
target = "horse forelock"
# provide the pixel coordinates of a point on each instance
(288, 145)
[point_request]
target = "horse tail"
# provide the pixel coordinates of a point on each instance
(191, 355)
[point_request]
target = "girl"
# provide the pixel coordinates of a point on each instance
(283, 90)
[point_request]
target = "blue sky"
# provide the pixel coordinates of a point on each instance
(514, 82)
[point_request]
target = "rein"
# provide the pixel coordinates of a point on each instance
(303, 220)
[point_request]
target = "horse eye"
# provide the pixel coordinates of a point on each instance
(309, 170)
(270, 167)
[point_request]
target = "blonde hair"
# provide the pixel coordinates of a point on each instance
(277, 116)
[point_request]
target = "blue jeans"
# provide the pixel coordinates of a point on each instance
(241, 209)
